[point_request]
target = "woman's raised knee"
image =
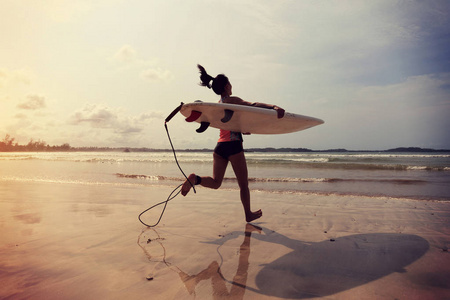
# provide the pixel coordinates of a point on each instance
(217, 185)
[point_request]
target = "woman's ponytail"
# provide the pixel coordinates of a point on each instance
(204, 77)
(218, 83)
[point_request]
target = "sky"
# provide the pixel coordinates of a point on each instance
(106, 73)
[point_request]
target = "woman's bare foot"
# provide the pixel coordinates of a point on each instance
(187, 185)
(249, 228)
(253, 215)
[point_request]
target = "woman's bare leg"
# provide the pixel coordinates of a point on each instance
(239, 165)
(219, 168)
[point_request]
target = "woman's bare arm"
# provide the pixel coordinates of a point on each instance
(239, 101)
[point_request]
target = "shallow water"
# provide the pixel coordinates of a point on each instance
(418, 176)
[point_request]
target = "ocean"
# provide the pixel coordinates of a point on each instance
(421, 176)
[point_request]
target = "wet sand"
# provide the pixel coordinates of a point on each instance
(74, 241)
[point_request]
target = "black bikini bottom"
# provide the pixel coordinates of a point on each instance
(226, 149)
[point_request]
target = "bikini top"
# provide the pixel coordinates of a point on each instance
(227, 135)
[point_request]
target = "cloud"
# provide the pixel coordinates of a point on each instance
(101, 125)
(423, 90)
(365, 43)
(147, 68)
(20, 116)
(115, 119)
(8, 77)
(97, 116)
(151, 115)
(34, 102)
(413, 112)
(126, 54)
(157, 74)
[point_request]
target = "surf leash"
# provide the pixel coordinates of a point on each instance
(171, 195)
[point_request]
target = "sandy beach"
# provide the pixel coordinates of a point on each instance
(73, 241)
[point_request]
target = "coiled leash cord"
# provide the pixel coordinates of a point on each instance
(176, 110)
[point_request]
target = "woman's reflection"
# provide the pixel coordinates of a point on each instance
(217, 280)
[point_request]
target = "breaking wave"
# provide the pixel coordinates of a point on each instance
(280, 180)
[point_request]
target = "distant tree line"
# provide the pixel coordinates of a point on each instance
(8, 144)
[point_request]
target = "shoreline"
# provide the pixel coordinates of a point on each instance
(56, 149)
(228, 188)
(86, 243)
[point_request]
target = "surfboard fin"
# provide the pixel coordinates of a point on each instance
(203, 127)
(194, 116)
(228, 115)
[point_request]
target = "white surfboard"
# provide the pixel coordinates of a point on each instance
(245, 119)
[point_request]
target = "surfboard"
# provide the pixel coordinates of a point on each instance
(245, 119)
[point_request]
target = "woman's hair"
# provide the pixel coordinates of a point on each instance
(218, 83)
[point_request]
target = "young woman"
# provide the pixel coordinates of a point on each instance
(229, 147)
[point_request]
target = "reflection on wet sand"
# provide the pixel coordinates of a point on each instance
(213, 272)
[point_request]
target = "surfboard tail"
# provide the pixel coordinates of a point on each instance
(194, 116)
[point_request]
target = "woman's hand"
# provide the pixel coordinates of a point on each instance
(279, 110)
